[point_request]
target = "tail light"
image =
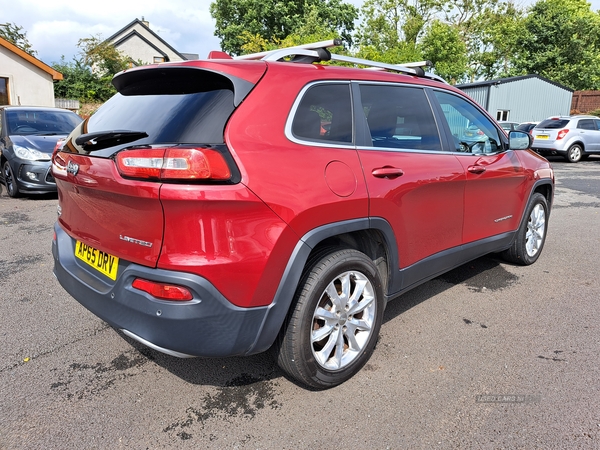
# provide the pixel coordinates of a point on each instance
(163, 291)
(58, 146)
(561, 134)
(173, 163)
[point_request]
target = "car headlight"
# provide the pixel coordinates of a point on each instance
(30, 154)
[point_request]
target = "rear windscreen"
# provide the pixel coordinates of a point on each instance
(553, 123)
(167, 118)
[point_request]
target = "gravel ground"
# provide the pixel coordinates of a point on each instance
(488, 356)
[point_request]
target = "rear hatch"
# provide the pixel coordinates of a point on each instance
(547, 131)
(165, 125)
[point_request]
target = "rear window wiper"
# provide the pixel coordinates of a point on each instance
(104, 139)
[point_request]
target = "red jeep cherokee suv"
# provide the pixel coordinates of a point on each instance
(219, 207)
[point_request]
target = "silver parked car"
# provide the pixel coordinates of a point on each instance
(509, 126)
(573, 137)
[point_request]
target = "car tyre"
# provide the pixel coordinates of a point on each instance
(10, 181)
(531, 235)
(575, 153)
(334, 322)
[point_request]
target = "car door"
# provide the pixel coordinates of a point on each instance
(589, 134)
(412, 182)
(596, 147)
(495, 190)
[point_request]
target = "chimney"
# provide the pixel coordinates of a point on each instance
(145, 22)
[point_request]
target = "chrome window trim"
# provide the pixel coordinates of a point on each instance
(424, 88)
(404, 150)
(329, 144)
(318, 143)
(501, 136)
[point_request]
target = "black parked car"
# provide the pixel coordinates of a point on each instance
(28, 136)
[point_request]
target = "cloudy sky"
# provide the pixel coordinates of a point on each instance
(54, 26)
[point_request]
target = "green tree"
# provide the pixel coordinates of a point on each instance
(445, 48)
(15, 35)
(464, 38)
(102, 56)
(245, 25)
(79, 82)
(88, 77)
(394, 26)
(560, 40)
(312, 30)
(499, 33)
(488, 29)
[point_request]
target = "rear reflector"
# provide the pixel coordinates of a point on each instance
(163, 291)
(173, 164)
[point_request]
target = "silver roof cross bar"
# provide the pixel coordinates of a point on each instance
(315, 51)
(312, 46)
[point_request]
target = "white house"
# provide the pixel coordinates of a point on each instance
(24, 79)
(140, 43)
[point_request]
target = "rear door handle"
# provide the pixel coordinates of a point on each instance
(476, 169)
(387, 172)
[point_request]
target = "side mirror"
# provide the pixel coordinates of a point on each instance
(518, 140)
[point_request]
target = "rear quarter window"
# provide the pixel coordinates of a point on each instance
(324, 114)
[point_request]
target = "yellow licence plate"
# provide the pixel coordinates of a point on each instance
(103, 262)
(542, 136)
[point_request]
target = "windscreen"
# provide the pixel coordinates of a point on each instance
(24, 122)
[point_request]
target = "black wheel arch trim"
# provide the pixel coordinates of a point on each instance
(400, 281)
(279, 307)
(534, 189)
(550, 198)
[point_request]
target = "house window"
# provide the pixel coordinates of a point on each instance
(4, 91)
(502, 115)
(159, 59)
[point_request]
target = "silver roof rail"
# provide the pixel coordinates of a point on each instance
(313, 46)
(317, 51)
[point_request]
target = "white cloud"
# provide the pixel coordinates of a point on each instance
(54, 27)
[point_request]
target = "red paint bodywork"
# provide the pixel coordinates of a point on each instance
(240, 237)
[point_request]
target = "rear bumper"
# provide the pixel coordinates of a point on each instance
(548, 150)
(208, 325)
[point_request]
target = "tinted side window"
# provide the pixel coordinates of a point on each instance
(586, 124)
(399, 117)
(324, 114)
(473, 132)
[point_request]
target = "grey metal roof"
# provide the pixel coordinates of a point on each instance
(510, 80)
